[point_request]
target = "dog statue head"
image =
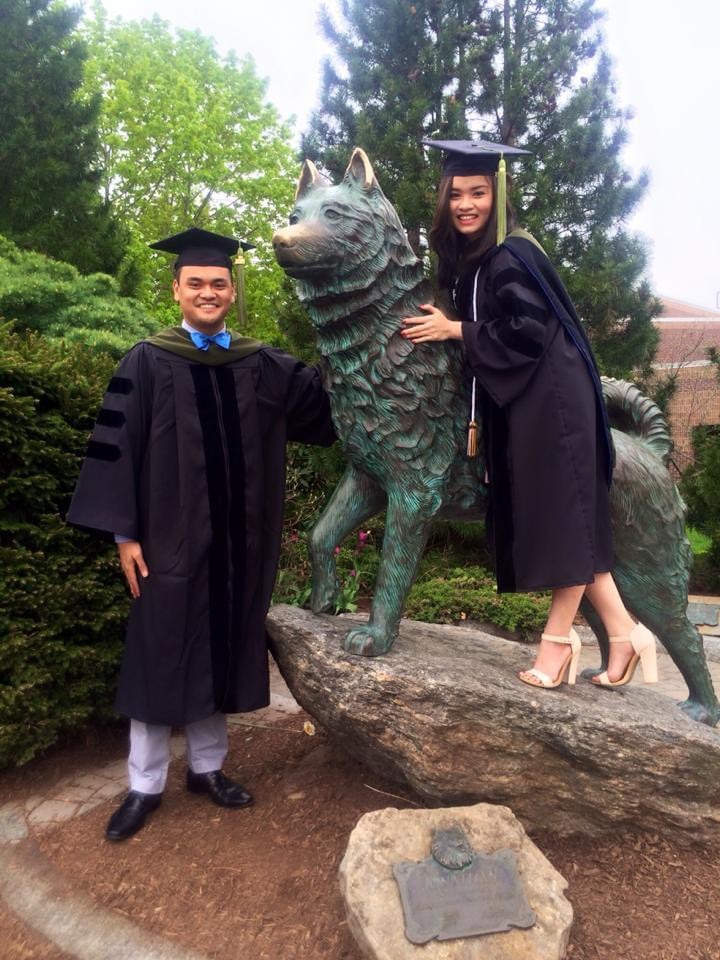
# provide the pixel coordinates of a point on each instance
(342, 237)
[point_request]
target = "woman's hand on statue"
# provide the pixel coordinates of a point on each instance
(434, 326)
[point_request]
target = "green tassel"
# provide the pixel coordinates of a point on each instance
(501, 202)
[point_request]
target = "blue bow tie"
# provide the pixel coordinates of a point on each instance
(203, 340)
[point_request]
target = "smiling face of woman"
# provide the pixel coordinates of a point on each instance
(471, 203)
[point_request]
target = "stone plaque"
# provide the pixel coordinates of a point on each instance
(704, 614)
(457, 892)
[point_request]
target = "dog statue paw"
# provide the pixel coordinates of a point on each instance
(368, 641)
(700, 712)
(323, 597)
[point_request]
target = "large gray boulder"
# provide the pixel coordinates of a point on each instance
(372, 901)
(444, 713)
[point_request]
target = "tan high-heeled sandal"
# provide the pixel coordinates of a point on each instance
(643, 644)
(568, 668)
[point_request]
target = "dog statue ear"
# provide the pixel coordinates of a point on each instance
(309, 179)
(360, 171)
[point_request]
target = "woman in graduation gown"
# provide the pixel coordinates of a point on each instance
(537, 389)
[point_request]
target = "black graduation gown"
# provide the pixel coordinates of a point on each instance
(188, 458)
(547, 442)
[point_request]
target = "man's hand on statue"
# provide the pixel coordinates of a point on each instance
(132, 562)
(434, 326)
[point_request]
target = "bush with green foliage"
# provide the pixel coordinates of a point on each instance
(701, 490)
(443, 595)
(52, 298)
(63, 604)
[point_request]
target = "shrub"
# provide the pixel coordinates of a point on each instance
(452, 595)
(50, 297)
(63, 605)
(701, 490)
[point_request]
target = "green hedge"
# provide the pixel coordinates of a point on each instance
(701, 490)
(53, 298)
(62, 604)
(469, 593)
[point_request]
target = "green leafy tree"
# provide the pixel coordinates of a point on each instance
(49, 196)
(52, 298)
(531, 73)
(188, 139)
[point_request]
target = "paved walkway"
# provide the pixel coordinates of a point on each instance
(38, 895)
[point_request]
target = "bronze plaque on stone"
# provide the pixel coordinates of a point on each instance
(457, 892)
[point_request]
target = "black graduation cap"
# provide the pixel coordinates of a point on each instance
(467, 158)
(201, 248)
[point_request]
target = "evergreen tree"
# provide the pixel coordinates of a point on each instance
(394, 80)
(49, 198)
(531, 73)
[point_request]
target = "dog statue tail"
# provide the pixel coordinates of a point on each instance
(652, 572)
(632, 412)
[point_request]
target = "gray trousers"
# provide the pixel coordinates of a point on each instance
(207, 746)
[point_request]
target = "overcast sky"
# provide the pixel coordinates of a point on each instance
(665, 62)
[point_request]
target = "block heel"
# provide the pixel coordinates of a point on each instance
(644, 652)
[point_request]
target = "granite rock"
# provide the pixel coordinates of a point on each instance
(373, 905)
(444, 714)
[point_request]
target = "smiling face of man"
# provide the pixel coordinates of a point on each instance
(205, 295)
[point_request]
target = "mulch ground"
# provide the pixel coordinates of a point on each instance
(261, 884)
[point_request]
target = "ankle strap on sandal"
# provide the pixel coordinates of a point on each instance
(554, 639)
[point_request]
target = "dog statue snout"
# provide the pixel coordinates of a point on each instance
(281, 240)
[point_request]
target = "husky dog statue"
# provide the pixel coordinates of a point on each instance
(401, 413)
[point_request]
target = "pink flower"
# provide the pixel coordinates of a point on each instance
(337, 550)
(363, 535)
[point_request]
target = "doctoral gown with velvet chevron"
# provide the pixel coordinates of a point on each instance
(188, 457)
(548, 446)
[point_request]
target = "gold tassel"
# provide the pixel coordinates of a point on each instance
(501, 201)
(240, 289)
(472, 439)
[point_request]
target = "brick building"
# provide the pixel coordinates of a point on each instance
(686, 331)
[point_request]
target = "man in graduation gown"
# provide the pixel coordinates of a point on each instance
(186, 469)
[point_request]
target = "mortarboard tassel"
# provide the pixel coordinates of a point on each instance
(501, 201)
(239, 270)
(472, 439)
(472, 425)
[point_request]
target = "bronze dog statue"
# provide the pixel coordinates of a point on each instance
(401, 414)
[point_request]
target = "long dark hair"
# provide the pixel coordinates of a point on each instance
(454, 250)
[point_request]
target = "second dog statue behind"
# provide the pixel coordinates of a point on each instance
(400, 412)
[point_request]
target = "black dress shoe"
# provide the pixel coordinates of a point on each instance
(224, 792)
(130, 815)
